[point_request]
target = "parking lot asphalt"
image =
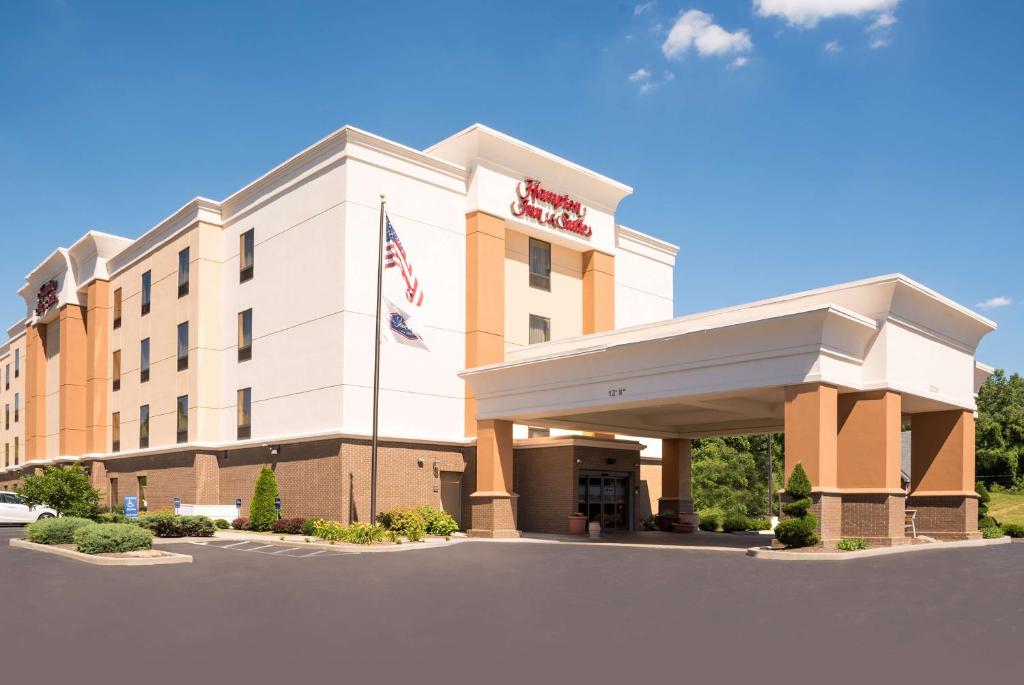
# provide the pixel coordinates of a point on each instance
(501, 613)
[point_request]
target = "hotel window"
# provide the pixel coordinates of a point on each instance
(115, 432)
(144, 426)
(7, 417)
(245, 413)
(144, 361)
(7, 377)
(17, 407)
(7, 454)
(245, 335)
(117, 308)
(147, 291)
(17, 450)
(540, 264)
(540, 329)
(246, 254)
(17, 362)
(116, 372)
(182, 346)
(183, 418)
(183, 273)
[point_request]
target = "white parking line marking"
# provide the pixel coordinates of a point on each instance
(256, 549)
(283, 549)
(237, 544)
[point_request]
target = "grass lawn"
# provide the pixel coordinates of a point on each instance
(1007, 507)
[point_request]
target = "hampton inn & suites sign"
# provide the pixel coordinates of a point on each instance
(46, 297)
(547, 207)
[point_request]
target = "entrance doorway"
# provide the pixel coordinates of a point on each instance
(451, 495)
(605, 498)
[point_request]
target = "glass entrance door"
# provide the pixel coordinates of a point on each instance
(604, 498)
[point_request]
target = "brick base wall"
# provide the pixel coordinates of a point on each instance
(877, 518)
(946, 517)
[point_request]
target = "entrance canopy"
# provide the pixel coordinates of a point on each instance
(725, 371)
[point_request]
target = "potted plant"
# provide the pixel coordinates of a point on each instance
(577, 524)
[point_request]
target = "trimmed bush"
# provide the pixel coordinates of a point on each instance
(331, 531)
(760, 523)
(983, 493)
(111, 517)
(221, 524)
(987, 522)
(166, 525)
(56, 531)
(438, 522)
(799, 530)
(735, 522)
(309, 527)
(104, 538)
(366, 534)
(1014, 530)
(262, 512)
(288, 526)
(992, 533)
(851, 544)
(711, 519)
(241, 523)
(404, 521)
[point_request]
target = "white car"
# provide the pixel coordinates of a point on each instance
(12, 510)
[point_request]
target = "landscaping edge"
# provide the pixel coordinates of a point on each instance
(765, 553)
(97, 560)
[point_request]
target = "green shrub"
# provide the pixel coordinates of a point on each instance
(799, 529)
(101, 538)
(1014, 530)
(65, 489)
(987, 522)
(711, 518)
(365, 533)
(167, 525)
(110, 517)
(404, 521)
(992, 533)
(735, 522)
(56, 531)
(438, 522)
(331, 531)
(262, 512)
(760, 523)
(649, 523)
(851, 544)
(983, 493)
(221, 524)
(240, 523)
(309, 527)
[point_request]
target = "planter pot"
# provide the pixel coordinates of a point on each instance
(664, 523)
(577, 525)
(595, 529)
(687, 523)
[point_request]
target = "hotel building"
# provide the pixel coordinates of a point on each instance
(239, 333)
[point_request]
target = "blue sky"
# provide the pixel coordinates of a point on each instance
(783, 144)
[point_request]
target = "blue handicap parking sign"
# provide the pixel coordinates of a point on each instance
(131, 506)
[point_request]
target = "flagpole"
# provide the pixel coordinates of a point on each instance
(376, 366)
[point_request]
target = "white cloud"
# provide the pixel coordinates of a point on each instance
(880, 30)
(695, 29)
(645, 79)
(995, 302)
(833, 47)
(807, 13)
(643, 7)
(640, 75)
(884, 20)
(738, 62)
(877, 42)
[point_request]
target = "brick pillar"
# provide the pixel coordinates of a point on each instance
(485, 298)
(98, 479)
(207, 472)
(35, 392)
(97, 376)
(811, 413)
(942, 474)
(493, 503)
(676, 482)
(73, 348)
(868, 466)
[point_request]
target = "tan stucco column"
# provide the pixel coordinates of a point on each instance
(97, 375)
(73, 349)
(676, 478)
(485, 298)
(942, 474)
(598, 299)
(493, 504)
(868, 466)
(35, 392)
(811, 414)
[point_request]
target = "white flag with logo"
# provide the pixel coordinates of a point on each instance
(396, 324)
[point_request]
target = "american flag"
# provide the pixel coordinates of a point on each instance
(394, 256)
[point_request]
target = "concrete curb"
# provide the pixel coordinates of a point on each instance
(302, 544)
(102, 561)
(765, 553)
(600, 543)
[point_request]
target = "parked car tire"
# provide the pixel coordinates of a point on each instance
(45, 515)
